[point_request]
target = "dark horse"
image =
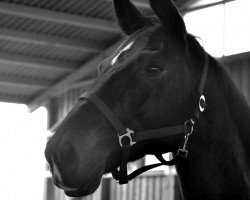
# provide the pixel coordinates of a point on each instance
(150, 83)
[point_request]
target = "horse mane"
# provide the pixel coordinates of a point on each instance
(236, 102)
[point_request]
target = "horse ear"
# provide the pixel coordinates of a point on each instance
(129, 17)
(169, 16)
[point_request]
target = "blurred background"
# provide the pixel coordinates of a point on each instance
(49, 53)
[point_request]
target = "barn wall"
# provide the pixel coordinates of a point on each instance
(157, 187)
(154, 185)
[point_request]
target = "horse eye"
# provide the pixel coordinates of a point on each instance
(153, 71)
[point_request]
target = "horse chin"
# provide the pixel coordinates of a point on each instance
(90, 185)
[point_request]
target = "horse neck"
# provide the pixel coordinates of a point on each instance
(217, 165)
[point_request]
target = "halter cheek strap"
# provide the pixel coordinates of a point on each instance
(127, 137)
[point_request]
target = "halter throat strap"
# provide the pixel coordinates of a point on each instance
(128, 138)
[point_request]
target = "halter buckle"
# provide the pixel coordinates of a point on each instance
(126, 138)
(183, 153)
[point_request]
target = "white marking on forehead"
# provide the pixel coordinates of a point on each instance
(123, 50)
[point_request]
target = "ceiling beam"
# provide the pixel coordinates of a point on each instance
(24, 82)
(139, 3)
(144, 4)
(84, 70)
(57, 17)
(187, 10)
(84, 83)
(185, 4)
(80, 84)
(13, 99)
(49, 41)
(36, 63)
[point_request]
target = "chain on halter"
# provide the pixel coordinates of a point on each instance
(127, 137)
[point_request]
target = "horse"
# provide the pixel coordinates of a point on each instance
(150, 82)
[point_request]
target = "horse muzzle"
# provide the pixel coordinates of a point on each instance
(70, 173)
(87, 187)
(90, 184)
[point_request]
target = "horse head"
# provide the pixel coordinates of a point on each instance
(148, 83)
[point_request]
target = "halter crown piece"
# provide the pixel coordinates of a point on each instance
(127, 137)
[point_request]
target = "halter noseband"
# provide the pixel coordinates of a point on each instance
(128, 138)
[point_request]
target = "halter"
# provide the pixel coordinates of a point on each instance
(127, 137)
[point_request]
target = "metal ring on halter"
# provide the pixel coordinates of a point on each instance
(189, 125)
(202, 103)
